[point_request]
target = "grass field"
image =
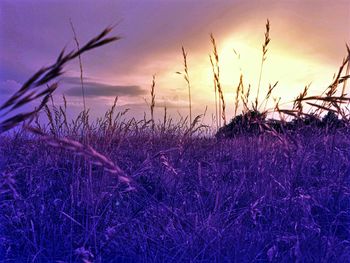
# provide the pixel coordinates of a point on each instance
(118, 190)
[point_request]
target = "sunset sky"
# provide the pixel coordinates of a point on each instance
(307, 46)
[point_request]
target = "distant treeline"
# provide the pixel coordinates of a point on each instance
(254, 123)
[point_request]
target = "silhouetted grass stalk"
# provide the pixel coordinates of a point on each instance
(238, 91)
(187, 79)
(216, 71)
(153, 100)
(263, 58)
(84, 150)
(268, 95)
(33, 88)
(80, 65)
(347, 70)
(215, 94)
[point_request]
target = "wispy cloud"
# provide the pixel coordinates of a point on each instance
(98, 89)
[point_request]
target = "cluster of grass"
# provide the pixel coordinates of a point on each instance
(118, 190)
(194, 199)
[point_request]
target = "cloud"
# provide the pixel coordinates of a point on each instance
(32, 37)
(161, 105)
(75, 80)
(97, 89)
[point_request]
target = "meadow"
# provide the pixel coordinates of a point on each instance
(127, 190)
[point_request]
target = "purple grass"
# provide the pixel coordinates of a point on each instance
(268, 191)
(194, 199)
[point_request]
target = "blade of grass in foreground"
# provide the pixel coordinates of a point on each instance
(32, 88)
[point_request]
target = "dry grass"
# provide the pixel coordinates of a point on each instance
(166, 192)
(187, 79)
(153, 100)
(263, 58)
(33, 89)
(80, 65)
(216, 76)
(80, 149)
(196, 199)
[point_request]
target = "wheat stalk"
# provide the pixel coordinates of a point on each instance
(80, 64)
(216, 72)
(85, 150)
(238, 90)
(153, 100)
(263, 58)
(347, 70)
(215, 93)
(187, 79)
(32, 89)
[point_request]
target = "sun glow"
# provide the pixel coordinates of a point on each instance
(237, 56)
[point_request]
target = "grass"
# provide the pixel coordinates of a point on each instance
(195, 199)
(148, 191)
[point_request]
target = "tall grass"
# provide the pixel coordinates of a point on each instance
(187, 79)
(80, 65)
(153, 100)
(189, 199)
(216, 75)
(33, 89)
(149, 192)
(263, 58)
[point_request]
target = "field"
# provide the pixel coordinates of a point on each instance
(118, 190)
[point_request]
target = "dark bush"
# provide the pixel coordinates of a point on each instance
(254, 123)
(248, 123)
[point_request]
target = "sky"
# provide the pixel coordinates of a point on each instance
(307, 45)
